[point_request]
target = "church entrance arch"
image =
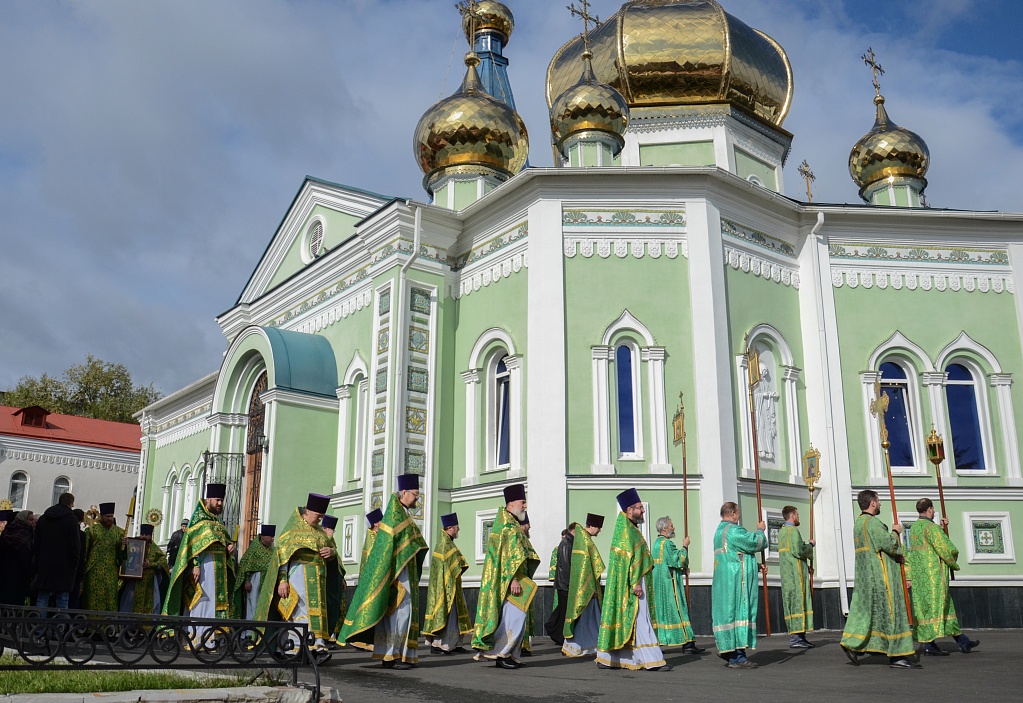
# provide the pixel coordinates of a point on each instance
(255, 442)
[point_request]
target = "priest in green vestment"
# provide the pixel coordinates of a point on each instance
(104, 552)
(794, 564)
(877, 621)
(145, 595)
(931, 555)
(733, 597)
(203, 576)
(582, 614)
(384, 612)
(627, 637)
(668, 590)
(507, 587)
(373, 519)
(336, 605)
(252, 569)
(447, 616)
(296, 587)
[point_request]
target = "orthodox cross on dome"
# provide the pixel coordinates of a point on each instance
(870, 60)
(470, 9)
(586, 17)
(807, 174)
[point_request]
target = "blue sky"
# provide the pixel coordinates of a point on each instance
(148, 150)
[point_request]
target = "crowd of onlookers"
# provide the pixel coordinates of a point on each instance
(42, 557)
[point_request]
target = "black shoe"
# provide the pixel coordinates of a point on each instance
(388, 664)
(905, 664)
(853, 656)
(744, 664)
(459, 650)
(525, 653)
(603, 666)
(402, 666)
(505, 663)
(438, 650)
(691, 648)
(808, 643)
(663, 667)
(967, 647)
(935, 651)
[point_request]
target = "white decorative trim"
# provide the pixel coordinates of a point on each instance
(491, 269)
(963, 493)
(480, 547)
(321, 319)
(195, 426)
(939, 280)
(673, 482)
(352, 521)
(626, 322)
(623, 246)
(901, 345)
(742, 260)
(1009, 555)
(303, 400)
(71, 455)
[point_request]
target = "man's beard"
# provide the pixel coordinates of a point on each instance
(215, 509)
(520, 515)
(672, 535)
(638, 520)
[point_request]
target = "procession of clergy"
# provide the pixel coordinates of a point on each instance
(641, 609)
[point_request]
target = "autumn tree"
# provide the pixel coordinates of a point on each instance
(97, 389)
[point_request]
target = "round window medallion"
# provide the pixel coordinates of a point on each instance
(316, 239)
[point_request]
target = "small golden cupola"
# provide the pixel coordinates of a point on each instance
(889, 163)
(469, 142)
(589, 119)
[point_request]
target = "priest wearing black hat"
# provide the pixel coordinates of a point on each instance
(253, 567)
(582, 617)
(203, 577)
(104, 552)
(373, 519)
(447, 617)
(627, 638)
(296, 585)
(384, 613)
(507, 588)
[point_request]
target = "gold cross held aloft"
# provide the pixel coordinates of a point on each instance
(470, 9)
(878, 407)
(870, 60)
(807, 174)
(586, 17)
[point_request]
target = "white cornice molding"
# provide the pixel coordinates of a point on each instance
(591, 482)
(622, 245)
(65, 454)
(491, 270)
(302, 400)
(346, 499)
(478, 491)
(748, 486)
(996, 493)
(869, 276)
(196, 425)
(763, 266)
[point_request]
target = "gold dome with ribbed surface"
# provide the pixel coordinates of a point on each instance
(589, 106)
(888, 150)
(493, 16)
(681, 52)
(470, 129)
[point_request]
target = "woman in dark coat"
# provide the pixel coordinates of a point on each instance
(16, 559)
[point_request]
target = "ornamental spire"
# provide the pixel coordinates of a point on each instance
(586, 17)
(871, 60)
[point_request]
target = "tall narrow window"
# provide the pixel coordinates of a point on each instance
(360, 429)
(961, 397)
(897, 420)
(61, 486)
(624, 363)
(19, 490)
(502, 396)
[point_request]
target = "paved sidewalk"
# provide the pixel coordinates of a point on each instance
(992, 672)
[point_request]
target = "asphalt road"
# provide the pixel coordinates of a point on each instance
(992, 672)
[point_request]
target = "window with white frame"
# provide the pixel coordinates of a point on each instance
(499, 413)
(967, 442)
(898, 418)
(627, 396)
(18, 492)
(360, 428)
(61, 486)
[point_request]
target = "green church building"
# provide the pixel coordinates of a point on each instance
(538, 325)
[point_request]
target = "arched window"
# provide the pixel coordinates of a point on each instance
(897, 418)
(961, 397)
(501, 408)
(61, 486)
(18, 492)
(626, 386)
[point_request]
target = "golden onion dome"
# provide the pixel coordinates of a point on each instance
(589, 106)
(491, 16)
(470, 130)
(659, 53)
(888, 150)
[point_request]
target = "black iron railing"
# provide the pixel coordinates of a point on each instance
(51, 639)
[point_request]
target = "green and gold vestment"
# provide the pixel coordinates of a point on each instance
(877, 619)
(793, 562)
(445, 591)
(367, 547)
(931, 555)
(158, 569)
(510, 556)
(734, 600)
(629, 562)
(103, 557)
(668, 594)
(256, 559)
(584, 578)
(300, 542)
(398, 545)
(205, 534)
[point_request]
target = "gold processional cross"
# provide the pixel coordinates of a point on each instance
(807, 174)
(878, 408)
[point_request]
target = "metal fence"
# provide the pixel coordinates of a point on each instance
(228, 468)
(52, 639)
